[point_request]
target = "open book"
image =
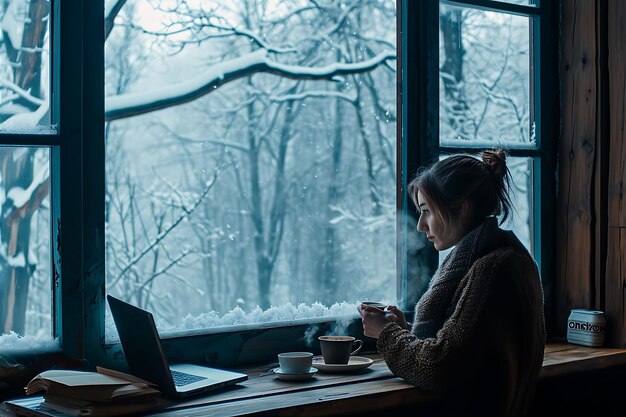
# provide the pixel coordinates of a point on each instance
(105, 385)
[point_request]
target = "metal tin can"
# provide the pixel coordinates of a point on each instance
(586, 327)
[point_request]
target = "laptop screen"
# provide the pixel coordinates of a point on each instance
(141, 344)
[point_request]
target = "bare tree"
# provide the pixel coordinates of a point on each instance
(299, 56)
(25, 189)
(451, 72)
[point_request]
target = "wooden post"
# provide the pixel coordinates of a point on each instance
(574, 285)
(616, 234)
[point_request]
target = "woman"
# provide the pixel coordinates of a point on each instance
(478, 335)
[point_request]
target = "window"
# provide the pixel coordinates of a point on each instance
(200, 159)
(485, 94)
(495, 66)
(27, 134)
(25, 67)
(490, 95)
(250, 160)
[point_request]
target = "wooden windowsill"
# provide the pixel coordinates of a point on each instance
(563, 358)
(327, 394)
(365, 392)
(372, 389)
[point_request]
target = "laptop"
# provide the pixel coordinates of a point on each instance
(146, 357)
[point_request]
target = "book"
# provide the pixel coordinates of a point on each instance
(32, 407)
(39, 406)
(104, 385)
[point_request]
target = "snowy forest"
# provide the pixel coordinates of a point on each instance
(250, 152)
(275, 185)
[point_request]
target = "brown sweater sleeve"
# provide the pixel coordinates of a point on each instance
(419, 361)
(426, 363)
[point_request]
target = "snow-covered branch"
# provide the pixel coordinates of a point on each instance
(133, 104)
(20, 196)
(20, 91)
(314, 94)
(231, 31)
(25, 121)
(111, 10)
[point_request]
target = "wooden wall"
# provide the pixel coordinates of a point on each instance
(616, 230)
(591, 214)
(577, 152)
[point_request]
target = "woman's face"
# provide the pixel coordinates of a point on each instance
(442, 236)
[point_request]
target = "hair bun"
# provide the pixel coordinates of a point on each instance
(495, 161)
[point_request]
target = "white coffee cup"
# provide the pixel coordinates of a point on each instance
(295, 362)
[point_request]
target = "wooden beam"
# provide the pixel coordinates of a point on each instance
(617, 98)
(615, 278)
(615, 290)
(573, 284)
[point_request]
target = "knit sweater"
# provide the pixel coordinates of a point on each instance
(478, 335)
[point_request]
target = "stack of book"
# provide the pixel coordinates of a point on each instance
(97, 394)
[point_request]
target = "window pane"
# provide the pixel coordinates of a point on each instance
(259, 190)
(25, 67)
(25, 278)
(522, 197)
(485, 78)
(520, 220)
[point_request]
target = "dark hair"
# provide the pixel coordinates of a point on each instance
(483, 182)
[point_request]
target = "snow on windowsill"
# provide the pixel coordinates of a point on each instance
(237, 319)
(13, 342)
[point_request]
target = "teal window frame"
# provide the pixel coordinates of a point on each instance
(77, 108)
(422, 81)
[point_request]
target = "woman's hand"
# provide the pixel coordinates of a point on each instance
(397, 316)
(374, 320)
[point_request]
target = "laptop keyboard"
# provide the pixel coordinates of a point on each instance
(182, 378)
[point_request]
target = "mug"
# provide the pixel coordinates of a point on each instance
(338, 349)
(374, 304)
(295, 362)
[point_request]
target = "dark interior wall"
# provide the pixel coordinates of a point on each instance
(591, 215)
(588, 394)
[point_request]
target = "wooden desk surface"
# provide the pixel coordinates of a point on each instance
(369, 390)
(324, 394)
(366, 391)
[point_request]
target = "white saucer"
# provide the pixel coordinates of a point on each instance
(294, 377)
(354, 364)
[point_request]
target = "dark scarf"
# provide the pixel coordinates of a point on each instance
(438, 302)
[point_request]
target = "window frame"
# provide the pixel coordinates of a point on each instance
(77, 107)
(227, 348)
(78, 182)
(544, 72)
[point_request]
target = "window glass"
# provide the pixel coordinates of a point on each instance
(25, 278)
(25, 66)
(246, 180)
(520, 219)
(485, 78)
